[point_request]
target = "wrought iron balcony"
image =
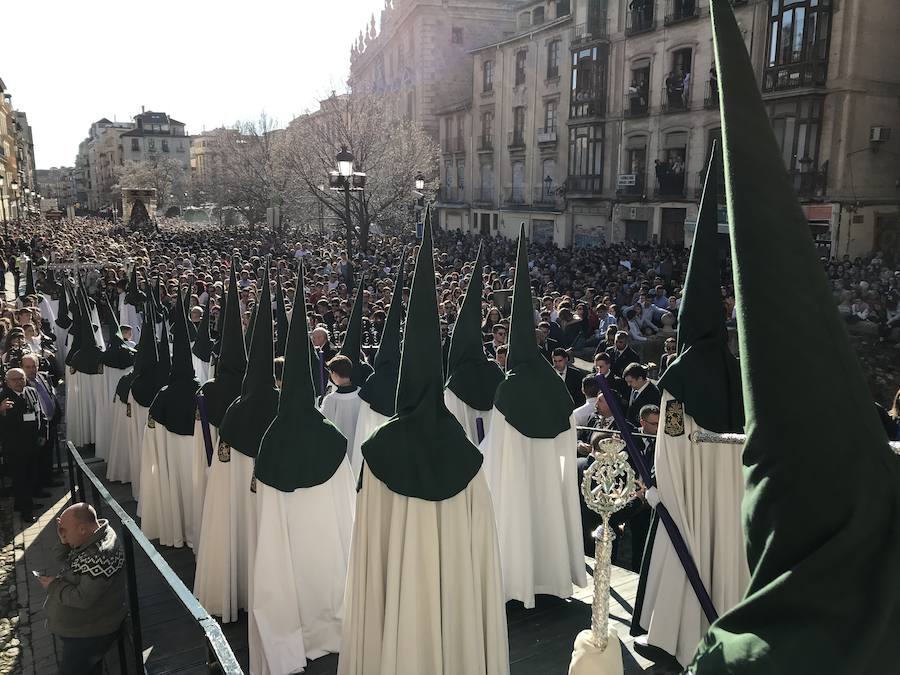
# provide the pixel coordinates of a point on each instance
(585, 185)
(591, 31)
(547, 198)
(637, 103)
(796, 75)
(681, 10)
(587, 103)
(670, 185)
(514, 196)
(631, 185)
(640, 18)
(486, 143)
(482, 196)
(546, 135)
(516, 139)
(711, 95)
(675, 99)
(809, 182)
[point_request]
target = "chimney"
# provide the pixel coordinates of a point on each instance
(142, 110)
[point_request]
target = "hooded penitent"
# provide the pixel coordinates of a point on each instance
(231, 363)
(63, 317)
(175, 404)
(281, 319)
(129, 305)
(821, 501)
(202, 349)
(145, 383)
(30, 288)
(352, 345)
(424, 515)
(380, 389)
(701, 484)
(86, 358)
(530, 450)
(118, 354)
(116, 359)
(472, 379)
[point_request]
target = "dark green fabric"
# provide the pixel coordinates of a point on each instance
(246, 419)
(63, 318)
(231, 364)
(471, 375)
(203, 345)
(86, 359)
(29, 280)
(532, 398)
(822, 500)
(380, 389)
(352, 345)
(164, 365)
(301, 448)
(281, 319)
(133, 294)
(124, 386)
(175, 404)
(422, 451)
(144, 385)
(705, 376)
(117, 354)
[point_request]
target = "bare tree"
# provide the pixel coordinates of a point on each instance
(389, 149)
(164, 174)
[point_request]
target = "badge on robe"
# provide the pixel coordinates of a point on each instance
(674, 421)
(224, 452)
(151, 423)
(127, 410)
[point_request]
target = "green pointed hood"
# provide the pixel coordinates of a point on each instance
(281, 318)
(63, 317)
(141, 357)
(133, 294)
(75, 328)
(422, 451)
(471, 375)
(532, 398)
(352, 346)
(203, 345)
(231, 363)
(380, 389)
(117, 354)
(175, 404)
(301, 448)
(146, 364)
(86, 359)
(822, 500)
(706, 376)
(247, 418)
(30, 288)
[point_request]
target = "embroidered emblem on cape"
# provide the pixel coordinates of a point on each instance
(99, 368)
(127, 410)
(253, 484)
(151, 423)
(98, 563)
(224, 452)
(674, 425)
(72, 370)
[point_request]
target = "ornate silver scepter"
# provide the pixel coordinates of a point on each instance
(615, 487)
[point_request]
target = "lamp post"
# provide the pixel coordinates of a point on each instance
(14, 186)
(346, 179)
(420, 203)
(3, 205)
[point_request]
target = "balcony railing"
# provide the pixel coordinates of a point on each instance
(675, 99)
(637, 103)
(796, 75)
(483, 196)
(514, 196)
(640, 17)
(632, 185)
(810, 182)
(587, 103)
(546, 135)
(669, 184)
(516, 139)
(547, 198)
(711, 95)
(486, 143)
(681, 10)
(584, 184)
(591, 31)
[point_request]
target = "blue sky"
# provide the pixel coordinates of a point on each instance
(68, 63)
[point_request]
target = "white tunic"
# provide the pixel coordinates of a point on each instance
(298, 592)
(103, 409)
(410, 610)
(366, 424)
(227, 537)
(139, 415)
(343, 411)
(129, 316)
(80, 409)
(118, 465)
(534, 484)
(467, 416)
(702, 486)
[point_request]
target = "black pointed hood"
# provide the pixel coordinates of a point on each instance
(247, 418)
(380, 389)
(301, 448)
(532, 398)
(422, 451)
(164, 350)
(118, 354)
(63, 313)
(472, 377)
(352, 346)
(203, 345)
(175, 404)
(281, 318)
(86, 359)
(231, 363)
(133, 294)
(146, 364)
(30, 287)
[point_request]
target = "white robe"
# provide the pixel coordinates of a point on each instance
(366, 424)
(343, 411)
(410, 610)
(199, 477)
(534, 484)
(466, 415)
(129, 316)
(702, 486)
(103, 409)
(80, 409)
(62, 343)
(139, 415)
(298, 591)
(118, 465)
(227, 538)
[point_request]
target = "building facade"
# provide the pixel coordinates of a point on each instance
(156, 135)
(638, 114)
(58, 183)
(8, 169)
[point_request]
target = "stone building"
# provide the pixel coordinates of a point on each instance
(155, 135)
(57, 183)
(8, 167)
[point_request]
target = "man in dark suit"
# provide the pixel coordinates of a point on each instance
(621, 356)
(498, 335)
(52, 412)
(571, 376)
(603, 366)
(643, 392)
(546, 344)
(22, 432)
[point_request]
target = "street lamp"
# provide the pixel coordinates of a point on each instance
(346, 179)
(420, 182)
(345, 162)
(3, 205)
(14, 186)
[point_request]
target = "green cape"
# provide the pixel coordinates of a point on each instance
(203, 345)
(352, 345)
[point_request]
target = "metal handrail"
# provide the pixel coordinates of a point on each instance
(221, 658)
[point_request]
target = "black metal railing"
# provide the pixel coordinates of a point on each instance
(701, 179)
(681, 10)
(546, 198)
(220, 658)
(584, 184)
(637, 103)
(796, 75)
(809, 182)
(639, 18)
(587, 103)
(671, 185)
(486, 143)
(711, 95)
(516, 139)
(546, 135)
(590, 31)
(675, 98)
(631, 185)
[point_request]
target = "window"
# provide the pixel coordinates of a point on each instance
(670, 168)
(135, 145)
(520, 66)
(638, 94)
(460, 176)
(797, 53)
(165, 145)
(586, 158)
(448, 180)
(635, 167)
(537, 16)
(588, 83)
(151, 144)
(410, 105)
(517, 194)
(678, 81)
(518, 133)
(553, 59)
(487, 181)
(550, 109)
(797, 124)
(487, 76)
(460, 132)
(487, 131)
(548, 187)
(456, 35)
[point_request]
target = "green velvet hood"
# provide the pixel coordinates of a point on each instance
(281, 318)
(352, 345)
(203, 344)
(63, 313)
(117, 354)
(86, 358)
(144, 384)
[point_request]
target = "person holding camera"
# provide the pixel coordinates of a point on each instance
(23, 432)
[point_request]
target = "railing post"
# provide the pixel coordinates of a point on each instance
(133, 602)
(72, 486)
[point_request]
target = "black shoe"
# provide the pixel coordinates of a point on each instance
(43, 494)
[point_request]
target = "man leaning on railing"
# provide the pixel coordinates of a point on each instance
(86, 599)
